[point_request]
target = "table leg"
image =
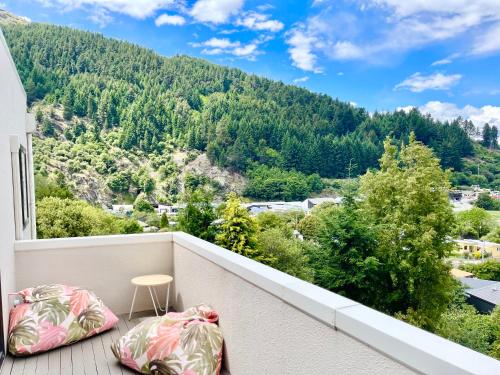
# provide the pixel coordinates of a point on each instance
(132, 306)
(166, 304)
(157, 299)
(153, 300)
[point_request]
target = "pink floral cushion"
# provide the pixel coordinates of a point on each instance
(187, 343)
(55, 315)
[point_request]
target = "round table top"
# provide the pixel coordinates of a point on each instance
(151, 280)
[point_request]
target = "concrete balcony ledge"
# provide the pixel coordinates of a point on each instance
(81, 242)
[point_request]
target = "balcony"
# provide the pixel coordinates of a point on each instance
(272, 323)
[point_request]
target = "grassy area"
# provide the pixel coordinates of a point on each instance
(495, 215)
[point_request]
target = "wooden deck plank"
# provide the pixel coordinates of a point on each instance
(55, 362)
(66, 364)
(42, 364)
(113, 364)
(77, 359)
(88, 358)
(30, 365)
(18, 366)
(8, 362)
(101, 361)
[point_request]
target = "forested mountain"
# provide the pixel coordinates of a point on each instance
(240, 121)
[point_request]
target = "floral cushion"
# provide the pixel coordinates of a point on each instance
(55, 315)
(187, 343)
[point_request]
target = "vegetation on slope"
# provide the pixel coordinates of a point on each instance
(238, 119)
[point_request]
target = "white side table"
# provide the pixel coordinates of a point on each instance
(151, 282)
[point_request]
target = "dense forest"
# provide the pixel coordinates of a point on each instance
(237, 118)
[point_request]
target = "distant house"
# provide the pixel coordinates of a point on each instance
(468, 247)
(279, 206)
(122, 209)
(169, 210)
(484, 295)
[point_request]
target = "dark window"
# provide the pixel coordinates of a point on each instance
(23, 175)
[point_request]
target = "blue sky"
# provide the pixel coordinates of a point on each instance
(442, 56)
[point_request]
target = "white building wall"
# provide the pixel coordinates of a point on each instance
(14, 122)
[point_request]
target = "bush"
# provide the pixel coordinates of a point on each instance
(119, 182)
(488, 270)
(486, 202)
(142, 205)
(465, 326)
(59, 218)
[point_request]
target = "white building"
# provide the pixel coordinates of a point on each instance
(122, 209)
(17, 198)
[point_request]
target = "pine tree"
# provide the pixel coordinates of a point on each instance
(486, 135)
(238, 230)
(67, 103)
(494, 137)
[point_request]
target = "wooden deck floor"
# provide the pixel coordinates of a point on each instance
(88, 357)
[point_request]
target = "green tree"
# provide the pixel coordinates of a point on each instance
(141, 204)
(473, 223)
(47, 187)
(285, 253)
(485, 201)
(119, 182)
(164, 223)
(59, 218)
(346, 261)
(198, 215)
(476, 331)
(238, 230)
(48, 128)
(488, 270)
(408, 201)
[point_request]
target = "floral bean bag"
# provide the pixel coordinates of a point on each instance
(187, 343)
(54, 315)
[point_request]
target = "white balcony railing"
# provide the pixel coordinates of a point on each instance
(273, 323)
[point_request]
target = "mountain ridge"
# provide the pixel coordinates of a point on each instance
(150, 105)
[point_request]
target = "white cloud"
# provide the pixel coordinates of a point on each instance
(217, 43)
(134, 8)
(215, 11)
(401, 26)
(340, 74)
(167, 19)
(449, 111)
(445, 61)
(100, 16)
(488, 42)
(224, 46)
(258, 21)
(344, 50)
(301, 79)
(437, 81)
(265, 7)
(301, 50)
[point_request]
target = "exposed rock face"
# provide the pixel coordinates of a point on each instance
(230, 181)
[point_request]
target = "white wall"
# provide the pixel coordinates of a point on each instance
(13, 121)
(265, 335)
(104, 264)
(274, 323)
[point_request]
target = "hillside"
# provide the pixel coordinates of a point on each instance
(125, 114)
